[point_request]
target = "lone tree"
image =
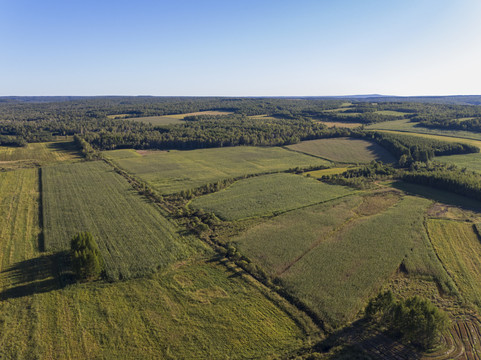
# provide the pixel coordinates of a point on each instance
(87, 262)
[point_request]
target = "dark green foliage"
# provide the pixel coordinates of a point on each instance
(445, 177)
(362, 177)
(414, 148)
(87, 261)
(415, 319)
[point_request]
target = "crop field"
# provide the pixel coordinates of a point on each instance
(177, 314)
(344, 150)
(468, 161)
(267, 194)
(173, 171)
(40, 153)
(413, 127)
(459, 248)
(133, 236)
(335, 255)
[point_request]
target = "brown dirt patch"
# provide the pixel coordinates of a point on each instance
(377, 203)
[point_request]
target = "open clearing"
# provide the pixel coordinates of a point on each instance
(459, 248)
(133, 236)
(40, 153)
(335, 255)
(157, 120)
(324, 172)
(267, 194)
(172, 171)
(344, 150)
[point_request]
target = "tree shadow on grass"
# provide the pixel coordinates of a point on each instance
(38, 275)
(361, 338)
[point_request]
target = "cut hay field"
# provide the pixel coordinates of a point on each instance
(344, 150)
(196, 310)
(267, 194)
(335, 255)
(459, 248)
(133, 236)
(173, 171)
(413, 127)
(40, 153)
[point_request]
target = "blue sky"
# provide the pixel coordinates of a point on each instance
(240, 48)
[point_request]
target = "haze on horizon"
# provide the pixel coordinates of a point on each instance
(242, 48)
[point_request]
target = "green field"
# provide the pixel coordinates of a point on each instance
(133, 236)
(459, 248)
(334, 256)
(413, 127)
(267, 194)
(173, 171)
(468, 161)
(190, 309)
(344, 150)
(39, 153)
(325, 172)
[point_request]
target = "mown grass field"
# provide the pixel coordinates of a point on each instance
(133, 236)
(413, 127)
(459, 248)
(196, 310)
(173, 171)
(40, 153)
(350, 125)
(267, 194)
(344, 150)
(191, 309)
(334, 256)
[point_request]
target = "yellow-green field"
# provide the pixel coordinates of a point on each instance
(173, 171)
(344, 150)
(268, 194)
(440, 134)
(459, 248)
(325, 172)
(39, 153)
(193, 309)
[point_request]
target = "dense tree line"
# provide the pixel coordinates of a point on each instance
(408, 149)
(226, 131)
(445, 177)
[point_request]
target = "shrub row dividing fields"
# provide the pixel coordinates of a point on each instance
(267, 194)
(133, 236)
(173, 171)
(344, 150)
(335, 255)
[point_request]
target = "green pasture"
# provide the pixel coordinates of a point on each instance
(267, 194)
(173, 171)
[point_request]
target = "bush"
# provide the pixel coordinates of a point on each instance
(416, 319)
(87, 262)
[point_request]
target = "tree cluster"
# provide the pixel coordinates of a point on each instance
(415, 320)
(87, 261)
